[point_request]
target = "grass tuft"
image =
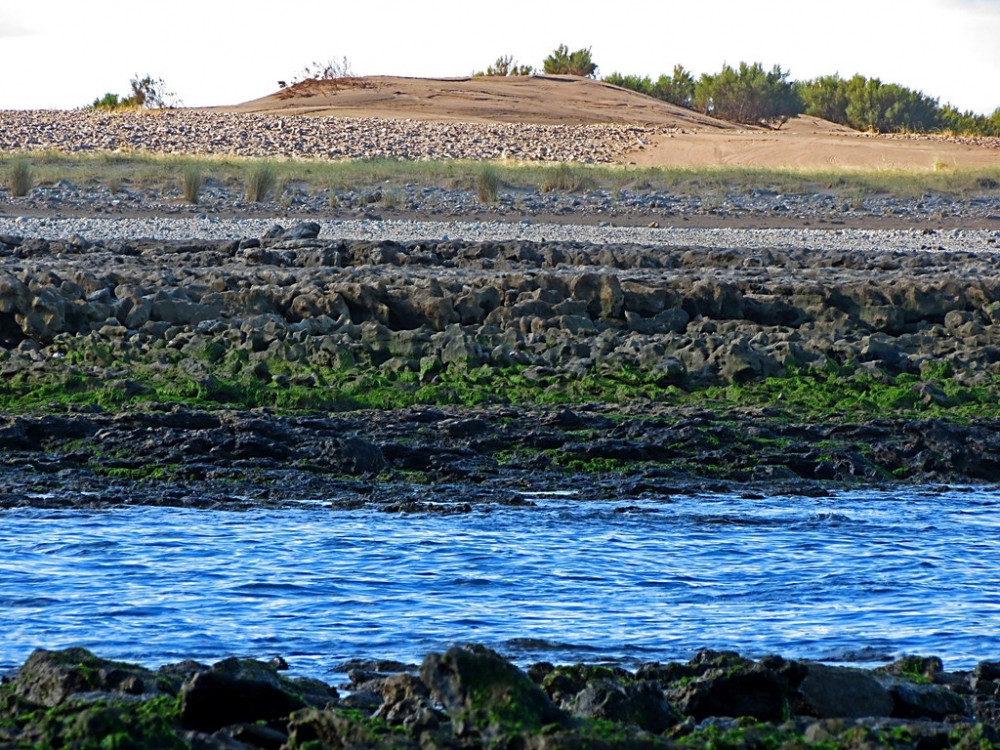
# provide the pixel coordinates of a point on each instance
(192, 182)
(261, 180)
(487, 184)
(20, 178)
(565, 179)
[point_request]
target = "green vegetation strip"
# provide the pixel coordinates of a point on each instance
(231, 381)
(167, 173)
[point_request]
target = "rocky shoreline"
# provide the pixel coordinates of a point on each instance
(471, 697)
(651, 368)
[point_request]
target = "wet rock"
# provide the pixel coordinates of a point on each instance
(234, 692)
(919, 701)
(735, 687)
(483, 693)
(640, 703)
(51, 677)
(841, 692)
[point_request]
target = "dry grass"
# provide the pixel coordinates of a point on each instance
(20, 178)
(261, 180)
(192, 182)
(164, 173)
(487, 184)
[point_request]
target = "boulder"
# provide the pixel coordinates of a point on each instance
(913, 700)
(840, 692)
(485, 695)
(640, 703)
(50, 677)
(230, 694)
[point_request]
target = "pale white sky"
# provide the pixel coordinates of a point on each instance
(65, 53)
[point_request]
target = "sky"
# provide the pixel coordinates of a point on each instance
(66, 53)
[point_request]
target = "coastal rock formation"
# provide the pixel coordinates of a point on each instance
(686, 363)
(471, 697)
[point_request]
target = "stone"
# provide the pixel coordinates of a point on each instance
(215, 699)
(483, 693)
(841, 692)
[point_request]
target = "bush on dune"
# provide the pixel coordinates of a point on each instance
(503, 67)
(748, 94)
(564, 62)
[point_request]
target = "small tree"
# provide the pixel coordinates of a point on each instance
(564, 62)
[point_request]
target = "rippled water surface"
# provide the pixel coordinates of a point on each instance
(853, 576)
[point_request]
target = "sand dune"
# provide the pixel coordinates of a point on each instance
(696, 141)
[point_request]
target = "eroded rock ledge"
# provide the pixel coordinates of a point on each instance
(486, 362)
(471, 697)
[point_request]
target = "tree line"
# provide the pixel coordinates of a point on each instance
(750, 94)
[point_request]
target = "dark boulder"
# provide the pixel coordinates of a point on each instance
(641, 703)
(485, 695)
(841, 692)
(235, 692)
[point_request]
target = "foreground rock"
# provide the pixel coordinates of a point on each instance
(470, 697)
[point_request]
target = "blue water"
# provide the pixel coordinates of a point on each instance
(857, 576)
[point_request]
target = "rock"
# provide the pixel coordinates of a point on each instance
(484, 694)
(840, 692)
(306, 230)
(919, 701)
(737, 688)
(50, 677)
(640, 703)
(215, 699)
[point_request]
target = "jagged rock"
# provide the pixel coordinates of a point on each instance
(50, 677)
(640, 703)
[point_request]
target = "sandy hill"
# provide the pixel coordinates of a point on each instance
(545, 99)
(803, 143)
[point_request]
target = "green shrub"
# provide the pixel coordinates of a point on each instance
(261, 180)
(147, 93)
(108, 101)
(748, 94)
(192, 182)
(676, 89)
(505, 66)
(564, 62)
(868, 104)
(20, 178)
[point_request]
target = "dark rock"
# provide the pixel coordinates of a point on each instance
(738, 690)
(640, 703)
(306, 230)
(840, 692)
(50, 677)
(918, 701)
(212, 700)
(484, 694)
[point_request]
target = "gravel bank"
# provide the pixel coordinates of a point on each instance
(214, 228)
(228, 134)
